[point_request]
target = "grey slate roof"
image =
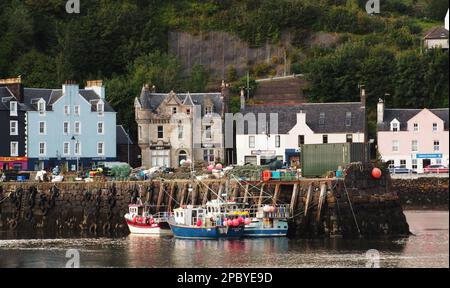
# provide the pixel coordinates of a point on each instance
(335, 116)
(152, 101)
(6, 97)
(403, 115)
(52, 95)
(122, 136)
(437, 33)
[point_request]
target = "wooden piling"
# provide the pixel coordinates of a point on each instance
(160, 196)
(293, 199)
(308, 198)
(170, 201)
(245, 194)
(261, 194)
(205, 194)
(275, 194)
(323, 191)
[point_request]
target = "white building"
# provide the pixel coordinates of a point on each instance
(311, 123)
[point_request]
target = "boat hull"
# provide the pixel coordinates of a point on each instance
(265, 232)
(188, 232)
(149, 229)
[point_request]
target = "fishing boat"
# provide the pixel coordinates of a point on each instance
(207, 222)
(140, 221)
(267, 221)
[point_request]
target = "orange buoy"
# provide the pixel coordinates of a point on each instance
(376, 173)
(266, 175)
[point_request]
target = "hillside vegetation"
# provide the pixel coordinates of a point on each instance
(125, 43)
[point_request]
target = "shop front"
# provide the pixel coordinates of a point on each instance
(13, 163)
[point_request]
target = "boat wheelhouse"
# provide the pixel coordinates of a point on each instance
(267, 221)
(209, 222)
(141, 221)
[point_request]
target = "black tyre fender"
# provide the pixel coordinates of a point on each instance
(106, 227)
(13, 224)
(93, 228)
(29, 215)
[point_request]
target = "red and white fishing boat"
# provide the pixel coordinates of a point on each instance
(140, 221)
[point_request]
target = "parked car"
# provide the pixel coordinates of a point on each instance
(401, 170)
(436, 168)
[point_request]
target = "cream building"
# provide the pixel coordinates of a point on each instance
(174, 127)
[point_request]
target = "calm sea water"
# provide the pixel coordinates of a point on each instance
(429, 247)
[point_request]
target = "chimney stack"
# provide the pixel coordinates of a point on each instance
(242, 99)
(97, 87)
(15, 86)
(363, 96)
(380, 111)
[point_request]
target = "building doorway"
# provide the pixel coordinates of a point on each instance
(182, 155)
(426, 162)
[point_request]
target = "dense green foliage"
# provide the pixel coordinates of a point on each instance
(125, 43)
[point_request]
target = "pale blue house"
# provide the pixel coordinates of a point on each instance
(69, 127)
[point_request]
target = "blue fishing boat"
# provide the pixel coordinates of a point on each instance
(267, 221)
(208, 222)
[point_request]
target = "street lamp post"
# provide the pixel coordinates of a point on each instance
(75, 150)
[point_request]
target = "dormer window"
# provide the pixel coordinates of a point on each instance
(322, 118)
(395, 125)
(100, 108)
(13, 108)
(348, 119)
(174, 110)
(41, 107)
(208, 110)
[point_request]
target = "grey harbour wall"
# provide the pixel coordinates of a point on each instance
(350, 207)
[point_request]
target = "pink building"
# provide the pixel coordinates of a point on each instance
(413, 138)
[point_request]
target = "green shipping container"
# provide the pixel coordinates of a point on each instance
(318, 159)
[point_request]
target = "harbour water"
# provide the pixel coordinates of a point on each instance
(427, 247)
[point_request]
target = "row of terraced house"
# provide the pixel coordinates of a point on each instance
(74, 127)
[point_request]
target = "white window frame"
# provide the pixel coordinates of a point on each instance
(395, 126)
(251, 141)
(13, 128)
(162, 131)
(140, 132)
(76, 110)
(438, 145)
(45, 148)
(66, 109)
(208, 132)
(45, 128)
(434, 127)
(414, 146)
(415, 127)
(102, 132)
(103, 148)
(68, 127)
(180, 131)
(102, 110)
(41, 107)
(16, 152)
(66, 145)
(75, 128)
(13, 108)
(395, 144)
(277, 141)
(77, 148)
(414, 164)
